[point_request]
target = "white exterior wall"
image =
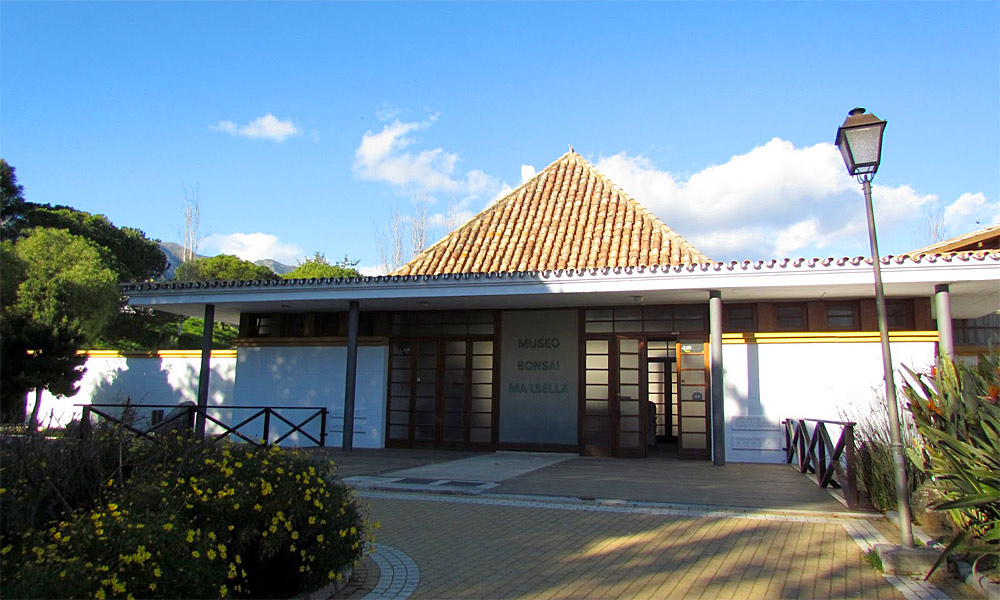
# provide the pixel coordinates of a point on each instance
(767, 383)
(314, 376)
(141, 380)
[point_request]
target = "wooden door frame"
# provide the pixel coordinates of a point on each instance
(615, 398)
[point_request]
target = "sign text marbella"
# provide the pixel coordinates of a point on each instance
(539, 365)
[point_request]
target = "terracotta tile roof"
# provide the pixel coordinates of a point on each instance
(987, 238)
(568, 216)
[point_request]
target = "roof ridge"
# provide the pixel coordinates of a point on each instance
(568, 215)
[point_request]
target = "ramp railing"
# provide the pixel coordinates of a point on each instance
(810, 448)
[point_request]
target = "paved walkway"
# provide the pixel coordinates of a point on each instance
(584, 528)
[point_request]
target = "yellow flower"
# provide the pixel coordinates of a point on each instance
(223, 591)
(295, 535)
(195, 553)
(210, 554)
(100, 595)
(319, 538)
(152, 587)
(190, 536)
(238, 560)
(168, 527)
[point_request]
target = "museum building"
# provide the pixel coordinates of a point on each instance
(566, 317)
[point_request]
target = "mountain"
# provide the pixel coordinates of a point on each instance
(277, 267)
(174, 253)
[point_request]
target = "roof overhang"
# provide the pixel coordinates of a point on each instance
(974, 280)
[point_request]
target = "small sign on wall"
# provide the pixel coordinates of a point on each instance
(755, 423)
(756, 443)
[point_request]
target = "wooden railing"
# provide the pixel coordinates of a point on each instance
(184, 416)
(812, 450)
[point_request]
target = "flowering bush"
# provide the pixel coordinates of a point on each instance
(196, 521)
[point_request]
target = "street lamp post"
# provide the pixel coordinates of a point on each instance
(860, 142)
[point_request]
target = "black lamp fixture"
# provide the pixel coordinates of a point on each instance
(860, 142)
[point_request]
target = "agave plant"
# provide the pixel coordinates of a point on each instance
(956, 409)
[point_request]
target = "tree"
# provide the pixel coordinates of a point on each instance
(58, 294)
(224, 267)
(11, 200)
(318, 267)
(192, 221)
(128, 251)
(406, 235)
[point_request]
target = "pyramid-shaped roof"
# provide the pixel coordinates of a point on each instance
(568, 216)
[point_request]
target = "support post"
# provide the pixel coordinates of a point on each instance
(895, 438)
(351, 375)
(942, 308)
(205, 374)
(718, 391)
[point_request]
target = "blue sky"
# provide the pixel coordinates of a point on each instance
(303, 125)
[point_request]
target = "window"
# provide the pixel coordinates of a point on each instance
(260, 325)
(327, 324)
(294, 325)
(899, 314)
(650, 319)
(790, 316)
(439, 322)
(842, 315)
(977, 332)
(741, 317)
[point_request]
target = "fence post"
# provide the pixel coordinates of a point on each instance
(850, 486)
(189, 426)
(322, 428)
(85, 424)
(267, 426)
(803, 438)
(821, 435)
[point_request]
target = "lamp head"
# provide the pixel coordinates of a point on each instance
(860, 142)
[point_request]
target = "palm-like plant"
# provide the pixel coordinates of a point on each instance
(956, 411)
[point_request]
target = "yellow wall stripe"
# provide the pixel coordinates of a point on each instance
(826, 337)
(155, 354)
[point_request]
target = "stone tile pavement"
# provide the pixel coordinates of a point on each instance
(594, 532)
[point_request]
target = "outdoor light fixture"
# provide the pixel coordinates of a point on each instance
(860, 142)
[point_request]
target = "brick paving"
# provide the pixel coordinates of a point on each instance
(541, 540)
(490, 551)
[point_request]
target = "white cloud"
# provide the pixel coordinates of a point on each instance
(371, 270)
(970, 212)
(774, 201)
(381, 157)
(255, 246)
(388, 112)
(267, 127)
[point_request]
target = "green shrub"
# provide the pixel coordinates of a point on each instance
(184, 519)
(957, 413)
(873, 462)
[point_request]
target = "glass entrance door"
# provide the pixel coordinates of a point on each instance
(631, 398)
(441, 393)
